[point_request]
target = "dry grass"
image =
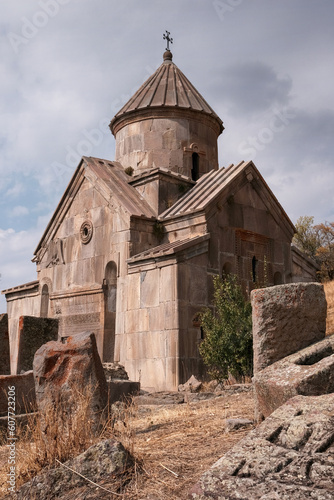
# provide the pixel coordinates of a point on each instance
(176, 444)
(329, 291)
(172, 445)
(59, 433)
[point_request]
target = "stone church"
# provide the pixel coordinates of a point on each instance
(132, 247)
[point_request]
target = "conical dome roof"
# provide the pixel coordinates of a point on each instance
(167, 88)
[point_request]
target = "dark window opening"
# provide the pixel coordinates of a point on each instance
(254, 266)
(195, 167)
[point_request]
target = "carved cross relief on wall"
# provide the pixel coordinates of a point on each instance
(55, 253)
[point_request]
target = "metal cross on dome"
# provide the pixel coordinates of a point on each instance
(166, 37)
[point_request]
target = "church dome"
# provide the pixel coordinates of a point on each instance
(167, 124)
(167, 88)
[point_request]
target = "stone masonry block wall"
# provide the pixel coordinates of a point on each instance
(4, 345)
(33, 333)
(149, 350)
(286, 318)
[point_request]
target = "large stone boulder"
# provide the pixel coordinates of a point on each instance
(309, 372)
(192, 385)
(289, 456)
(62, 371)
(101, 462)
(286, 318)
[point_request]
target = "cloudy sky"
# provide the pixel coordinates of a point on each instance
(67, 66)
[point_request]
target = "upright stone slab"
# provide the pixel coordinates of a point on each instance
(289, 456)
(286, 318)
(61, 369)
(33, 333)
(4, 345)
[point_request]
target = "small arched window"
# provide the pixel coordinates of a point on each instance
(195, 167)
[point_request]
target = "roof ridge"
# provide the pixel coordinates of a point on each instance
(126, 194)
(203, 192)
(157, 82)
(184, 199)
(211, 186)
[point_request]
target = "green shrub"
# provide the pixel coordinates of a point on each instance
(227, 347)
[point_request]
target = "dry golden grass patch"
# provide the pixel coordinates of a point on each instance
(329, 291)
(172, 445)
(175, 444)
(57, 434)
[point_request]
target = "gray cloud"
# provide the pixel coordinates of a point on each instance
(251, 87)
(74, 73)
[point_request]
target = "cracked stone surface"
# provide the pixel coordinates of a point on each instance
(290, 455)
(286, 318)
(310, 372)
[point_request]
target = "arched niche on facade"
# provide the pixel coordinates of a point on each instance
(278, 278)
(227, 269)
(110, 299)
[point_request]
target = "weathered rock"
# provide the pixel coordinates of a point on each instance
(160, 398)
(25, 399)
(289, 456)
(286, 318)
(234, 424)
(238, 388)
(309, 372)
(122, 389)
(191, 397)
(61, 369)
(192, 385)
(103, 460)
(114, 371)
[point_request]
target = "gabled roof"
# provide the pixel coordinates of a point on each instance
(112, 174)
(32, 285)
(167, 249)
(168, 87)
(110, 180)
(213, 184)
